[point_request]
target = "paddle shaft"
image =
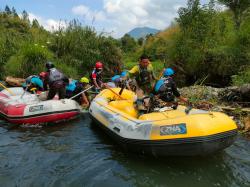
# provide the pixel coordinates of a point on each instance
(122, 88)
(113, 91)
(24, 92)
(7, 89)
(81, 92)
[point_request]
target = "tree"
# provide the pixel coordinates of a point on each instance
(128, 43)
(238, 7)
(25, 16)
(140, 41)
(14, 12)
(7, 10)
(35, 23)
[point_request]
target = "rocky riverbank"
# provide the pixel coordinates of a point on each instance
(235, 101)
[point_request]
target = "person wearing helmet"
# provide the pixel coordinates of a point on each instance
(56, 81)
(77, 86)
(143, 74)
(166, 89)
(33, 83)
(120, 81)
(116, 80)
(96, 76)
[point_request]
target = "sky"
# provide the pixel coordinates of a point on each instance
(113, 17)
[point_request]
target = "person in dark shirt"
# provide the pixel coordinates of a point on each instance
(76, 87)
(56, 80)
(96, 76)
(166, 88)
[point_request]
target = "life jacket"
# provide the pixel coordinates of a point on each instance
(28, 79)
(144, 76)
(37, 82)
(164, 89)
(98, 77)
(55, 75)
(71, 86)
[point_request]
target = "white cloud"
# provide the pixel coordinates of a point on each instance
(120, 16)
(125, 15)
(48, 24)
(81, 10)
(88, 14)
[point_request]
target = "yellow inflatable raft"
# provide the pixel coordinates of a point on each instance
(162, 133)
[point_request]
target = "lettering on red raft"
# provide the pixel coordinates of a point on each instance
(36, 108)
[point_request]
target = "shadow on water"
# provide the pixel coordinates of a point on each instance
(78, 153)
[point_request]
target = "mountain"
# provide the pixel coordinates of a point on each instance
(139, 32)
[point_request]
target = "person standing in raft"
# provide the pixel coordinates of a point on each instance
(145, 79)
(143, 74)
(96, 76)
(75, 87)
(166, 89)
(56, 80)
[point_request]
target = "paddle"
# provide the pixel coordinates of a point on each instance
(122, 88)
(24, 92)
(81, 92)
(7, 89)
(113, 91)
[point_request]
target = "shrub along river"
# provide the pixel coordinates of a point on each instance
(78, 153)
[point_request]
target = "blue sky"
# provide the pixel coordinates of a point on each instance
(115, 17)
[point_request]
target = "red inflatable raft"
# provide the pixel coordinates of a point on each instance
(25, 108)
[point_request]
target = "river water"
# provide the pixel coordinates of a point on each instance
(78, 153)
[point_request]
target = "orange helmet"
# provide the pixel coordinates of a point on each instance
(98, 65)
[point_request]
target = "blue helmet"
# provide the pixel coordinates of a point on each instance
(123, 74)
(115, 77)
(168, 72)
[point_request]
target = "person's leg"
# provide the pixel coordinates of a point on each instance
(62, 92)
(51, 94)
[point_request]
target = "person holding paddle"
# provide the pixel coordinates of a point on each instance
(76, 87)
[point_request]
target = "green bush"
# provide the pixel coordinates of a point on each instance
(69, 71)
(242, 78)
(30, 59)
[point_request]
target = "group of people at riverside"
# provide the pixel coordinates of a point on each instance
(140, 79)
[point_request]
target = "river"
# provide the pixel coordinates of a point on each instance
(78, 153)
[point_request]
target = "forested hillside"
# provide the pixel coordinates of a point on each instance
(25, 47)
(203, 45)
